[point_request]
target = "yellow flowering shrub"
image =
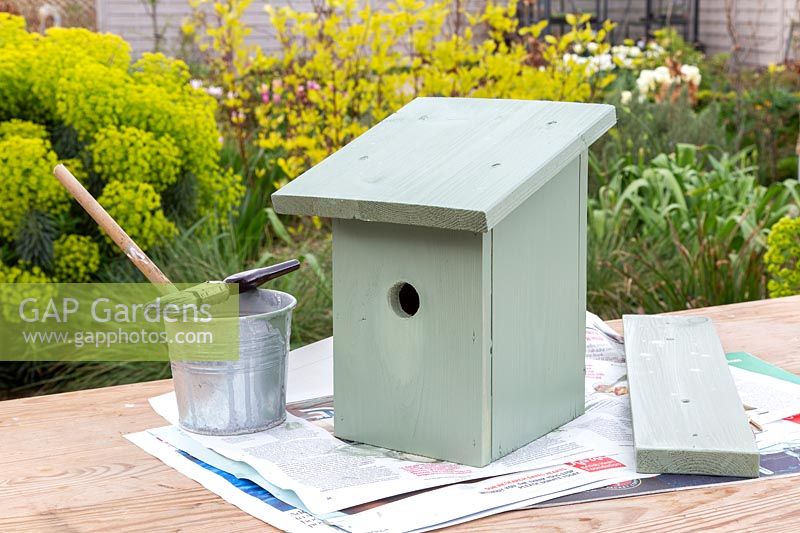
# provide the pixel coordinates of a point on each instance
(26, 167)
(135, 132)
(16, 54)
(22, 273)
(344, 66)
(137, 206)
(76, 258)
(783, 258)
(136, 155)
(22, 128)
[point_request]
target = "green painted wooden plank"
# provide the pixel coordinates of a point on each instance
(687, 415)
(454, 163)
(538, 312)
(420, 383)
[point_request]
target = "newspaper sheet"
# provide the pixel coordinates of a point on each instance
(602, 342)
(607, 421)
(771, 399)
(260, 503)
(306, 445)
(244, 494)
(328, 474)
(486, 497)
(424, 510)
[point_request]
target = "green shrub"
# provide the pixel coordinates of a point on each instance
(783, 258)
(77, 257)
(759, 108)
(136, 155)
(645, 129)
(681, 231)
(26, 167)
(22, 273)
(136, 134)
(23, 128)
(138, 206)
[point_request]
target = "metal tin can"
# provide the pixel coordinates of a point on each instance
(247, 395)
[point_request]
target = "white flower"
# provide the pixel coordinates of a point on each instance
(662, 75)
(216, 92)
(625, 97)
(578, 48)
(196, 84)
(574, 58)
(691, 74)
(592, 47)
(603, 61)
(645, 81)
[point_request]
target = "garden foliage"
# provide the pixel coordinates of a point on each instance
(683, 192)
(682, 230)
(344, 66)
(136, 134)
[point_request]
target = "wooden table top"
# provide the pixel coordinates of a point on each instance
(65, 466)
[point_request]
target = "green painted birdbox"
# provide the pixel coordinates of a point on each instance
(459, 273)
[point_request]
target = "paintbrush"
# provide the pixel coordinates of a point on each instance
(214, 292)
(211, 292)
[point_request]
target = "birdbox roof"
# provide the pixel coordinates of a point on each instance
(455, 163)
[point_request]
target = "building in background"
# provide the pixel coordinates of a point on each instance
(42, 14)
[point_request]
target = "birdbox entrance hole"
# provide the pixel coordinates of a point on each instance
(404, 299)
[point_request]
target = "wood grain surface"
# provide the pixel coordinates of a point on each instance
(687, 414)
(64, 465)
(538, 314)
(452, 163)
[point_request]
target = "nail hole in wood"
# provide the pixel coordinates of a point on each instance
(685, 400)
(404, 299)
(495, 165)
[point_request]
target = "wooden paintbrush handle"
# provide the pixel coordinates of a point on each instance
(112, 229)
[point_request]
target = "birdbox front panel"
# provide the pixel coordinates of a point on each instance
(459, 273)
(411, 317)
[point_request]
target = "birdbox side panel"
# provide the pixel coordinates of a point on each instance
(412, 375)
(538, 306)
